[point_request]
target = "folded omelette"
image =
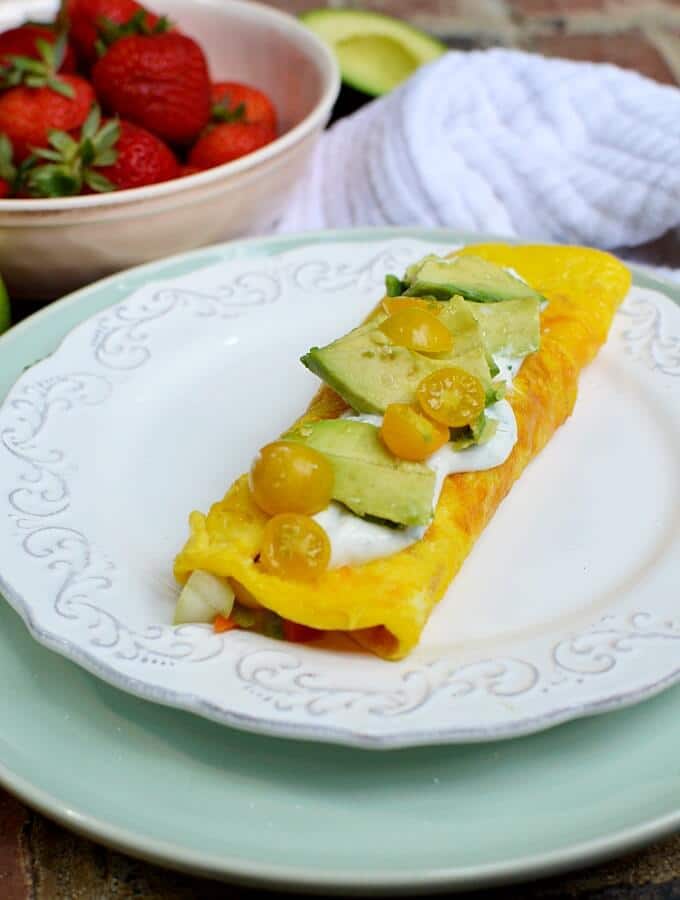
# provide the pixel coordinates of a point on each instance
(385, 603)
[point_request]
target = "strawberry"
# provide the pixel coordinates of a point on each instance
(158, 81)
(234, 102)
(142, 159)
(227, 141)
(27, 113)
(188, 170)
(90, 20)
(22, 41)
(110, 156)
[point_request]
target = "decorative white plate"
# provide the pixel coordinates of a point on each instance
(568, 605)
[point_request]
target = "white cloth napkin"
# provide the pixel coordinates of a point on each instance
(504, 142)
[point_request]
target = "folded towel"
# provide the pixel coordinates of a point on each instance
(505, 142)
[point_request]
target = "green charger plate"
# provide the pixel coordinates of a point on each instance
(179, 790)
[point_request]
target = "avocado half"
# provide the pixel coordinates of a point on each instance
(375, 52)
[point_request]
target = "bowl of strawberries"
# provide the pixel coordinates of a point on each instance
(128, 133)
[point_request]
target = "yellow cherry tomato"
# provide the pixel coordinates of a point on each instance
(409, 434)
(295, 546)
(419, 330)
(290, 477)
(392, 305)
(451, 396)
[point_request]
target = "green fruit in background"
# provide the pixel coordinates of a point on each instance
(5, 311)
(375, 52)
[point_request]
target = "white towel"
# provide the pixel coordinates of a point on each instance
(504, 142)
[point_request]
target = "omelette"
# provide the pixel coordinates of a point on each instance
(383, 603)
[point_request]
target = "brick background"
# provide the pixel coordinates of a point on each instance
(635, 34)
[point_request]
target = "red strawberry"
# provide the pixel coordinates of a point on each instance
(225, 142)
(22, 42)
(188, 170)
(117, 155)
(88, 17)
(142, 159)
(158, 81)
(27, 114)
(234, 102)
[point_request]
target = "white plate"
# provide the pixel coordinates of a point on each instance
(568, 604)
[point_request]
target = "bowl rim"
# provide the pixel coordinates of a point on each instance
(318, 52)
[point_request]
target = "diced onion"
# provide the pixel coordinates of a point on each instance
(202, 598)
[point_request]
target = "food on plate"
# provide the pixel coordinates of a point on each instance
(140, 78)
(375, 52)
(424, 437)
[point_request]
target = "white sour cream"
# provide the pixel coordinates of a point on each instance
(354, 540)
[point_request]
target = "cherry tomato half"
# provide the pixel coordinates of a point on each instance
(392, 305)
(451, 396)
(419, 330)
(295, 546)
(287, 477)
(409, 434)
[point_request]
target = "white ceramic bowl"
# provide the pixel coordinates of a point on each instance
(49, 247)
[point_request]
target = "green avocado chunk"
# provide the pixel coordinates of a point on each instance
(469, 276)
(369, 480)
(369, 372)
(511, 328)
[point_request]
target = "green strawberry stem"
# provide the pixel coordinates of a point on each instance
(221, 112)
(67, 165)
(7, 168)
(15, 176)
(110, 32)
(37, 73)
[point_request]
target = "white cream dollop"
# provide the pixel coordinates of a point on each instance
(355, 540)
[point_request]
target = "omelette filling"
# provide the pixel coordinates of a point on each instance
(357, 518)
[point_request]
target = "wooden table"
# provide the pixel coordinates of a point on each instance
(42, 861)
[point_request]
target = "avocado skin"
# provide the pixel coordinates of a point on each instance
(368, 69)
(369, 480)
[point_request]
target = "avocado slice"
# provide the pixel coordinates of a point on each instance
(375, 52)
(469, 276)
(369, 372)
(511, 328)
(369, 480)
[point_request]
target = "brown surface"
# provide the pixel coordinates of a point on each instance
(628, 49)
(42, 861)
(636, 34)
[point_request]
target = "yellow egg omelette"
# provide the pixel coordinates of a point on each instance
(384, 604)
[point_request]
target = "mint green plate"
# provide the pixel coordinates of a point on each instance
(177, 789)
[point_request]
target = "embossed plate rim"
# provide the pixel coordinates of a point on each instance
(261, 723)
